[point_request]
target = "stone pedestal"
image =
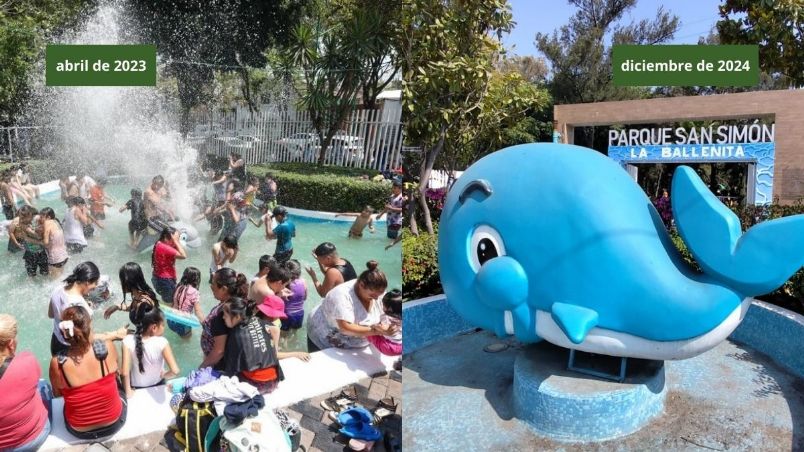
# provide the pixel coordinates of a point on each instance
(570, 406)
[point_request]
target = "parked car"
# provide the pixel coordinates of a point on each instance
(344, 146)
(301, 145)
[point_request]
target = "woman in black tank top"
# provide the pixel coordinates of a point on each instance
(328, 262)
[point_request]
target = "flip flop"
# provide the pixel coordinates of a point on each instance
(360, 445)
(388, 403)
(380, 414)
(337, 403)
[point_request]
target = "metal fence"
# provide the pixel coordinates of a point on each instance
(367, 139)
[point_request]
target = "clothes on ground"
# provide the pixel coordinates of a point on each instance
(24, 416)
(61, 300)
(200, 377)
(235, 413)
(73, 229)
(224, 389)
(341, 303)
(285, 231)
(152, 360)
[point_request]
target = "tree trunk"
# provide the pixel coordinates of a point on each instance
(424, 177)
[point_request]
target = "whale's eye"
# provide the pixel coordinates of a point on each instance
(486, 244)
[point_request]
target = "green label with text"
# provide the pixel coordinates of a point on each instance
(685, 65)
(100, 65)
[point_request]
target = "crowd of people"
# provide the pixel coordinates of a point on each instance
(241, 336)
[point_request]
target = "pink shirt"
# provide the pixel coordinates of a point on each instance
(23, 414)
(165, 260)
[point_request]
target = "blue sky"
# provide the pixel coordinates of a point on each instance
(697, 17)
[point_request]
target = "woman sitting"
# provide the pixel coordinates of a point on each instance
(249, 353)
(226, 284)
(86, 375)
(132, 281)
(350, 313)
(146, 351)
(24, 424)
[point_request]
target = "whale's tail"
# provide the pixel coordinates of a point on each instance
(753, 263)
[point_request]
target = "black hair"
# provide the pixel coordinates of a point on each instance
(132, 278)
(85, 272)
(143, 316)
(136, 193)
(279, 210)
(373, 278)
(266, 261)
(230, 241)
(48, 213)
(278, 273)
(392, 302)
(294, 268)
(190, 277)
(236, 284)
(241, 307)
(158, 179)
(324, 249)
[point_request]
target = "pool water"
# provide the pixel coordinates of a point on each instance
(28, 298)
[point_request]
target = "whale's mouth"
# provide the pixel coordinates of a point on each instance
(508, 321)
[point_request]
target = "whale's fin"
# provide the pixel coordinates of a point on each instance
(575, 321)
(753, 263)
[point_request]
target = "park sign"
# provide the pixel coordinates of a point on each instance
(748, 143)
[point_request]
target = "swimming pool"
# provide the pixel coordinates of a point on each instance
(27, 299)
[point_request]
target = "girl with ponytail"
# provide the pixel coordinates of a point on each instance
(225, 284)
(86, 376)
(146, 351)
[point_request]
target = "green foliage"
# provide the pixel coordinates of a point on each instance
(41, 170)
(25, 28)
(456, 102)
(774, 25)
(420, 277)
(325, 188)
(341, 50)
(233, 34)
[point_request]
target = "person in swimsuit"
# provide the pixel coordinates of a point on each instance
(53, 238)
(155, 207)
(335, 269)
(223, 252)
(362, 220)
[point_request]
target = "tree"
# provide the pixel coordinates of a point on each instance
(450, 92)
(581, 59)
(197, 37)
(776, 26)
(532, 69)
(25, 29)
(341, 52)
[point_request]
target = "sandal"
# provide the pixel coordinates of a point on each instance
(389, 403)
(337, 403)
(360, 445)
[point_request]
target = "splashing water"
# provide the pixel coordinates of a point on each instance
(131, 131)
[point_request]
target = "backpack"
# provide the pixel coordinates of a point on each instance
(192, 423)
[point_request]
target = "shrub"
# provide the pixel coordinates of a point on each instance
(41, 170)
(420, 277)
(315, 188)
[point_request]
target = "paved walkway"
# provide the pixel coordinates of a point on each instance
(318, 433)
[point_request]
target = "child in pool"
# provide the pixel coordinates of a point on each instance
(146, 351)
(138, 222)
(392, 308)
(98, 200)
(223, 252)
(362, 220)
(186, 299)
(294, 303)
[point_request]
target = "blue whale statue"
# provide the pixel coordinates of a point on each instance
(557, 242)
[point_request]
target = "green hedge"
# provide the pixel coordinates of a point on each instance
(41, 170)
(420, 277)
(314, 188)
